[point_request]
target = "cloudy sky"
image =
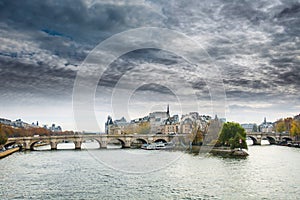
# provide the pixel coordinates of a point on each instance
(253, 44)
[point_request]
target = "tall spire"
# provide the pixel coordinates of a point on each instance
(168, 111)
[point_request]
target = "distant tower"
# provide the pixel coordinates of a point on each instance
(168, 111)
(216, 117)
(265, 120)
(108, 123)
(37, 123)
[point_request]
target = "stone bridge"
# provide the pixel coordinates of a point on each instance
(28, 143)
(273, 138)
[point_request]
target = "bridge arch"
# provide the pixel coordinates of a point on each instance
(271, 139)
(160, 140)
(9, 144)
(31, 145)
(97, 140)
(137, 142)
(254, 139)
(141, 140)
(287, 138)
(111, 140)
(56, 144)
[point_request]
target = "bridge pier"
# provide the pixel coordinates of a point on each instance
(127, 143)
(26, 145)
(77, 145)
(258, 141)
(53, 145)
(150, 140)
(103, 145)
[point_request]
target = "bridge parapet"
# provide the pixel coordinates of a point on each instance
(272, 137)
(103, 139)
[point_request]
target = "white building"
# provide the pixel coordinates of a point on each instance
(54, 128)
(266, 127)
(6, 121)
(248, 127)
(189, 121)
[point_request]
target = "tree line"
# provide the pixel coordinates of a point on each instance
(231, 135)
(289, 125)
(9, 131)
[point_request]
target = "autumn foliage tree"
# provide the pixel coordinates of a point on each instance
(143, 128)
(295, 129)
(280, 126)
(3, 137)
(196, 136)
(9, 131)
(284, 125)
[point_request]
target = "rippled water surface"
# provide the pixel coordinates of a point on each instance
(270, 172)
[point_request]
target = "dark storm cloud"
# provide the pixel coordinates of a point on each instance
(289, 18)
(289, 77)
(68, 29)
(270, 59)
(248, 95)
(75, 19)
(155, 88)
(20, 78)
(247, 83)
(133, 60)
(43, 42)
(200, 85)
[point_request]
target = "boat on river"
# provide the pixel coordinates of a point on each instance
(158, 146)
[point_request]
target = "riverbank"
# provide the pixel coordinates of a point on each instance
(9, 152)
(229, 152)
(222, 151)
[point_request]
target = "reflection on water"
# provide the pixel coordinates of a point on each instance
(90, 145)
(249, 141)
(42, 147)
(270, 172)
(70, 145)
(114, 146)
(265, 141)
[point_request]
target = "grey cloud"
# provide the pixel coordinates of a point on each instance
(21, 78)
(134, 60)
(291, 11)
(70, 29)
(289, 77)
(248, 96)
(155, 88)
(75, 19)
(247, 83)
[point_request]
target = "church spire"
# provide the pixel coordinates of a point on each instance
(168, 111)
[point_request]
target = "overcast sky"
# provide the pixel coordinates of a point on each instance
(254, 44)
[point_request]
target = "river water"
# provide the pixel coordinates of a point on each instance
(270, 172)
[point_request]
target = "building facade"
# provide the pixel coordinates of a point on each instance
(159, 122)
